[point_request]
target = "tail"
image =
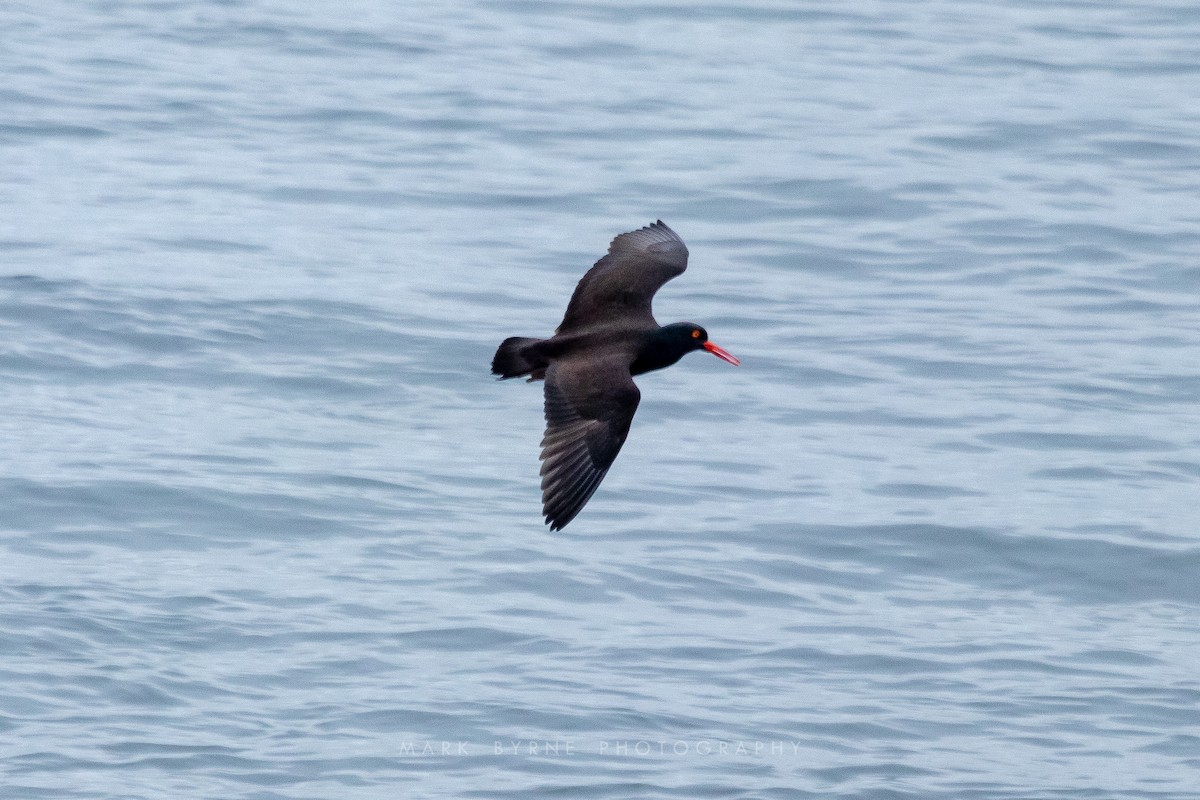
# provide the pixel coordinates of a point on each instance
(513, 358)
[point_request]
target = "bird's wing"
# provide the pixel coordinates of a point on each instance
(589, 406)
(622, 284)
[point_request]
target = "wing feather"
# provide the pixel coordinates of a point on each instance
(622, 284)
(589, 408)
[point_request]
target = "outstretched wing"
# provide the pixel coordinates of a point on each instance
(622, 284)
(589, 406)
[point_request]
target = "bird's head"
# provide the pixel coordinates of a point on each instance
(691, 336)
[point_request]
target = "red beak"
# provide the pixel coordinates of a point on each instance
(721, 354)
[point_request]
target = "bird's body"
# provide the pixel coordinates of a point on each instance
(607, 336)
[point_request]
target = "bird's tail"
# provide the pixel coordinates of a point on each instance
(514, 359)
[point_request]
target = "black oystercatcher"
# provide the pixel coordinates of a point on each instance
(607, 336)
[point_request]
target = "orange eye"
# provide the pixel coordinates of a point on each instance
(695, 334)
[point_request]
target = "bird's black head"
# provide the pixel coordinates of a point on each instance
(690, 335)
(672, 342)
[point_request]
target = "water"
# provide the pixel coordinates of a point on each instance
(269, 529)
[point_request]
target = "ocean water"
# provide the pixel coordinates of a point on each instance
(269, 529)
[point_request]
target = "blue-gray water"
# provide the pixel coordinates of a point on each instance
(268, 528)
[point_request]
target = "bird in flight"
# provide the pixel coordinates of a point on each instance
(607, 336)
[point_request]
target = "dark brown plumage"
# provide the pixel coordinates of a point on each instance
(607, 336)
